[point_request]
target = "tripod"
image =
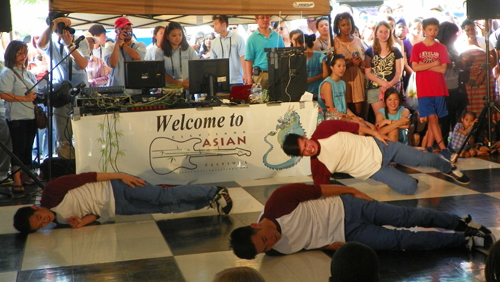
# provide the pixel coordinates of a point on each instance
(486, 111)
(23, 167)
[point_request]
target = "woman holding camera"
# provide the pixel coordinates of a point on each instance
(383, 66)
(352, 48)
(15, 81)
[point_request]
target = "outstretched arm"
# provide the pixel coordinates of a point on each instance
(128, 179)
(328, 190)
(77, 222)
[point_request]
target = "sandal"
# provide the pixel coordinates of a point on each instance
(18, 189)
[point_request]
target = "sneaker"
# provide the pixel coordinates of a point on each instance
(458, 176)
(466, 223)
(484, 242)
(222, 202)
(448, 156)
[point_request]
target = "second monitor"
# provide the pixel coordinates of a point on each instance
(209, 76)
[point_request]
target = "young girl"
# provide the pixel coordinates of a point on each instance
(317, 70)
(394, 119)
(332, 92)
(384, 66)
(459, 134)
(352, 48)
(175, 52)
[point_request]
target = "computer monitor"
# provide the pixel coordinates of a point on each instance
(209, 76)
(144, 75)
(287, 73)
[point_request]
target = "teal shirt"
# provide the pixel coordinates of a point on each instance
(314, 68)
(403, 133)
(338, 94)
(256, 44)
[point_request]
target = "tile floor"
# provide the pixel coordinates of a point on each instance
(193, 246)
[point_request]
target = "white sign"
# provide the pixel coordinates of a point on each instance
(198, 145)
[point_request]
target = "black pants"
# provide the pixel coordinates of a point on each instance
(23, 134)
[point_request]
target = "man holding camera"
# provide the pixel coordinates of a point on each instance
(255, 56)
(72, 69)
(123, 50)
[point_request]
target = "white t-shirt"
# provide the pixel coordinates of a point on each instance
(95, 198)
(341, 153)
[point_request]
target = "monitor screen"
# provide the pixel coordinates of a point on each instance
(204, 73)
(144, 75)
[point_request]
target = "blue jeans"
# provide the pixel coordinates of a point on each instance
(405, 155)
(364, 220)
(158, 199)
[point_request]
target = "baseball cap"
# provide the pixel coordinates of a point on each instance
(437, 8)
(122, 22)
(97, 29)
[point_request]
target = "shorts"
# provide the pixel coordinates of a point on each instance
(372, 96)
(432, 106)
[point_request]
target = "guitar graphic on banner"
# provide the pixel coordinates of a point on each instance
(167, 155)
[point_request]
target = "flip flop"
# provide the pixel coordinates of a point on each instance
(18, 189)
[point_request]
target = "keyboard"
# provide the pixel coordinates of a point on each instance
(109, 90)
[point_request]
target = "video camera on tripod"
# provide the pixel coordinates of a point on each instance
(59, 96)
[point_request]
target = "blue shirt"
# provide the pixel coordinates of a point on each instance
(256, 44)
(233, 47)
(314, 68)
(117, 76)
(338, 95)
(61, 73)
(10, 83)
(177, 66)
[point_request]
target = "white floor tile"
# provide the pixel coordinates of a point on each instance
(428, 187)
(275, 180)
(47, 249)
(6, 215)
(10, 276)
(464, 164)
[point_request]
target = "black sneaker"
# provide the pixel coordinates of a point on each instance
(448, 156)
(222, 202)
(458, 176)
(466, 223)
(483, 242)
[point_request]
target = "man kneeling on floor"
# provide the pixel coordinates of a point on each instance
(80, 199)
(300, 216)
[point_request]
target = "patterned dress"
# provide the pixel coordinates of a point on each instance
(353, 76)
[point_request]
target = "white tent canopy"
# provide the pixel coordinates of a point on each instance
(150, 13)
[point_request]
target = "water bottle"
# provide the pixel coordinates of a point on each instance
(329, 114)
(321, 117)
(335, 114)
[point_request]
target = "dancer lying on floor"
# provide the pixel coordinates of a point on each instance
(81, 199)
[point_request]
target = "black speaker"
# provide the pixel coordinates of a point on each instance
(287, 73)
(483, 9)
(5, 18)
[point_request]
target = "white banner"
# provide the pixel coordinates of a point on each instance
(198, 145)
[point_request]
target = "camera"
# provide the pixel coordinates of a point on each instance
(61, 27)
(40, 99)
(128, 33)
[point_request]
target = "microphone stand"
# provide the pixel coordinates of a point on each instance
(48, 104)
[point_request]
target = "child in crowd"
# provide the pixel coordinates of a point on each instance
(417, 133)
(332, 92)
(429, 59)
(394, 120)
(459, 135)
(317, 70)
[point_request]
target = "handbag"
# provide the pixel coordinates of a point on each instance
(411, 98)
(41, 118)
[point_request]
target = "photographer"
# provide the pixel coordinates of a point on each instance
(72, 69)
(15, 79)
(123, 50)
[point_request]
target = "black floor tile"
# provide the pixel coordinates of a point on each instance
(28, 198)
(12, 250)
(483, 208)
(199, 234)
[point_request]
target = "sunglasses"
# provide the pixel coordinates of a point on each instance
(231, 28)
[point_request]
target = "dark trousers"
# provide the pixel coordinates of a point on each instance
(23, 134)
